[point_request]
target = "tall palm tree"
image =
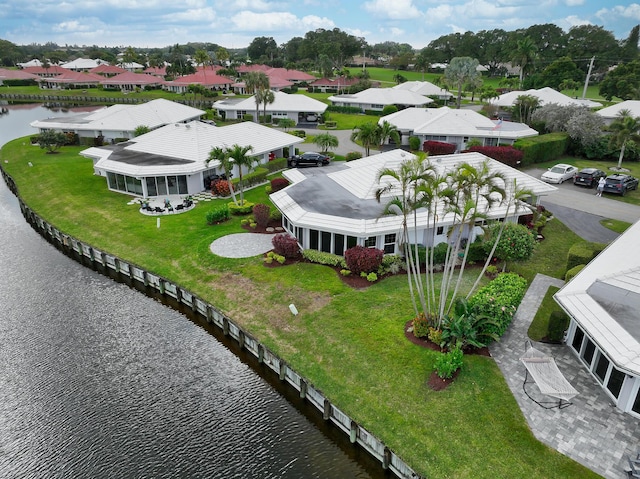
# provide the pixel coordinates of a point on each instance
(524, 55)
(368, 134)
(268, 97)
(201, 57)
(238, 154)
(221, 155)
(257, 83)
(623, 129)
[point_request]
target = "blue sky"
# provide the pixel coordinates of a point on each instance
(234, 23)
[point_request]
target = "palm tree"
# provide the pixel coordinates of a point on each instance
(325, 141)
(238, 154)
(257, 83)
(201, 57)
(524, 55)
(461, 70)
(368, 134)
(524, 107)
(624, 129)
(221, 155)
(388, 131)
(268, 97)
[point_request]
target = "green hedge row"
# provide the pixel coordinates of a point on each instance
(582, 252)
(256, 177)
(542, 148)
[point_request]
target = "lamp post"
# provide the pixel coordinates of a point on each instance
(363, 59)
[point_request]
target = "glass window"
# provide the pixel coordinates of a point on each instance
(390, 243)
(589, 349)
(172, 183)
(299, 234)
(616, 378)
(636, 403)
(151, 187)
(326, 242)
(162, 185)
(440, 230)
(370, 242)
(338, 244)
(602, 366)
(351, 241)
(313, 239)
(182, 185)
(111, 180)
(576, 343)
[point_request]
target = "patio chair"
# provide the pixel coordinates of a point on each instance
(157, 209)
(634, 467)
(179, 207)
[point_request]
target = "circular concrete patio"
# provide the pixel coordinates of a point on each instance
(242, 245)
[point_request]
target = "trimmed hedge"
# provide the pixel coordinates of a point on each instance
(218, 215)
(243, 209)
(499, 300)
(344, 109)
(321, 257)
(278, 184)
(438, 147)
(256, 177)
(353, 155)
(573, 271)
(542, 148)
(504, 154)
(558, 324)
(276, 165)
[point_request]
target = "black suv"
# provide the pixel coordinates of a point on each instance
(309, 158)
(620, 184)
(588, 177)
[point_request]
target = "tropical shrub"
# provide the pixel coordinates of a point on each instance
(360, 259)
(278, 184)
(421, 326)
(353, 155)
(285, 245)
(240, 209)
(414, 143)
(435, 335)
(558, 324)
(220, 188)
(391, 263)
(499, 300)
(438, 147)
(440, 253)
(273, 256)
(261, 214)
(448, 363)
(275, 215)
(321, 257)
(516, 243)
(218, 215)
(372, 277)
(466, 328)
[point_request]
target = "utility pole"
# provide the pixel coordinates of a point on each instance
(586, 80)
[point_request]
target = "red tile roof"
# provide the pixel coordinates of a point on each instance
(16, 75)
(42, 71)
(105, 69)
(129, 78)
(203, 77)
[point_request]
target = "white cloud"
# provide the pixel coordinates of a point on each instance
(197, 15)
(275, 21)
(627, 12)
(73, 26)
(574, 3)
(254, 5)
(393, 9)
(575, 21)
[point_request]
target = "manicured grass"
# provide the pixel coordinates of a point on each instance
(345, 121)
(349, 343)
(540, 324)
(615, 225)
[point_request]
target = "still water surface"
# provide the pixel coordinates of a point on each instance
(99, 381)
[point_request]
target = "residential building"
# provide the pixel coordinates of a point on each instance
(425, 88)
(546, 96)
(375, 99)
(610, 113)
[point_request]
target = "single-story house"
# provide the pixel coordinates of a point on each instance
(603, 301)
(107, 70)
(610, 113)
(71, 79)
(334, 85)
(377, 98)
(209, 79)
(16, 75)
(275, 73)
(45, 71)
(338, 210)
(455, 126)
(425, 88)
(546, 96)
(297, 107)
(131, 66)
(119, 122)
(31, 63)
(83, 64)
(172, 160)
(128, 81)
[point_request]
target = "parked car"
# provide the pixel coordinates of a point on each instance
(312, 118)
(588, 177)
(559, 173)
(620, 184)
(309, 158)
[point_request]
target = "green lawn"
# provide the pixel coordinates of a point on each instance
(349, 343)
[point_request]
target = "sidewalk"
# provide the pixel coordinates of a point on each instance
(591, 431)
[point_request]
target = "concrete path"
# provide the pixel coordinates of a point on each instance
(242, 245)
(591, 431)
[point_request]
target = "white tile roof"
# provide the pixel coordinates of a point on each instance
(344, 201)
(382, 96)
(452, 122)
(546, 96)
(282, 102)
(424, 88)
(152, 114)
(189, 145)
(603, 300)
(612, 111)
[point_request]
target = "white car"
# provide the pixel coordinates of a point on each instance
(559, 173)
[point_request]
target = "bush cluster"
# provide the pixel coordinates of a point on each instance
(240, 209)
(499, 300)
(220, 188)
(360, 259)
(558, 324)
(278, 184)
(448, 363)
(421, 326)
(353, 155)
(504, 154)
(218, 214)
(438, 147)
(285, 245)
(321, 257)
(256, 177)
(582, 253)
(273, 256)
(261, 214)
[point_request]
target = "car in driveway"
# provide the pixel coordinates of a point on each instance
(620, 184)
(309, 158)
(559, 173)
(588, 177)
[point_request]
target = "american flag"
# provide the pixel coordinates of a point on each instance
(498, 125)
